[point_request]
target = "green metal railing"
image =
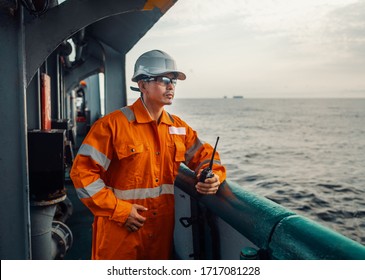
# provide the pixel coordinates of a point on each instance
(277, 231)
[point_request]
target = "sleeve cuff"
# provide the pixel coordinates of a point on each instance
(122, 211)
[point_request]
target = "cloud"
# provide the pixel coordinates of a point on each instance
(264, 47)
(345, 31)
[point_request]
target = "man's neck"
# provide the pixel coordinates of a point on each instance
(155, 112)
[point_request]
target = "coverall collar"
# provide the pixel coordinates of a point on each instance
(142, 115)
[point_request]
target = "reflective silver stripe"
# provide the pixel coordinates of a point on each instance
(193, 149)
(91, 189)
(205, 162)
(128, 113)
(96, 155)
(145, 192)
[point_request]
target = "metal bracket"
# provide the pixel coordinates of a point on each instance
(188, 221)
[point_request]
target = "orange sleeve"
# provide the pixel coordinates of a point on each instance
(201, 154)
(89, 169)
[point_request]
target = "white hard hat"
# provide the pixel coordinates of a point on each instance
(155, 63)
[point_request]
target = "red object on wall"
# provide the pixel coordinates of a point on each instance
(46, 102)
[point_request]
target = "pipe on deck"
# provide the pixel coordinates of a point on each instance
(50, 239)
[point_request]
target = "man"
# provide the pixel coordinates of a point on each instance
(125, 169)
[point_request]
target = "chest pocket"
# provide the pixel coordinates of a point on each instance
(130, 150)
(179, 151)
(133, 165)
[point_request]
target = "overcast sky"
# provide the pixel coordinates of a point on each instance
(263, 48)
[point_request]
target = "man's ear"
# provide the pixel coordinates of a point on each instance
(141, 85)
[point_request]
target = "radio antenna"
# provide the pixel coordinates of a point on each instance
(215, 147)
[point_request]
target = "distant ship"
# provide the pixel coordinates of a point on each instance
(237, 96)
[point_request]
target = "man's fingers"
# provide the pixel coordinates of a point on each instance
(204, 188)
(132, 228)
(205, 191)
(210, 186)
(133, 225)
(135, 221)
(140, 207)
(135, 214)
(138, 223)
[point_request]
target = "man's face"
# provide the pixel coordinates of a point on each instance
(159, 90)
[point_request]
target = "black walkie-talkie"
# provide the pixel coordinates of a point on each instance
(208, 172)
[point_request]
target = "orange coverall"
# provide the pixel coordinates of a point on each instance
(128, 158)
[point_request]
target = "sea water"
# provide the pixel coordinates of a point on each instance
(306, 154)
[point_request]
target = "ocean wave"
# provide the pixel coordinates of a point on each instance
(306, 154)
